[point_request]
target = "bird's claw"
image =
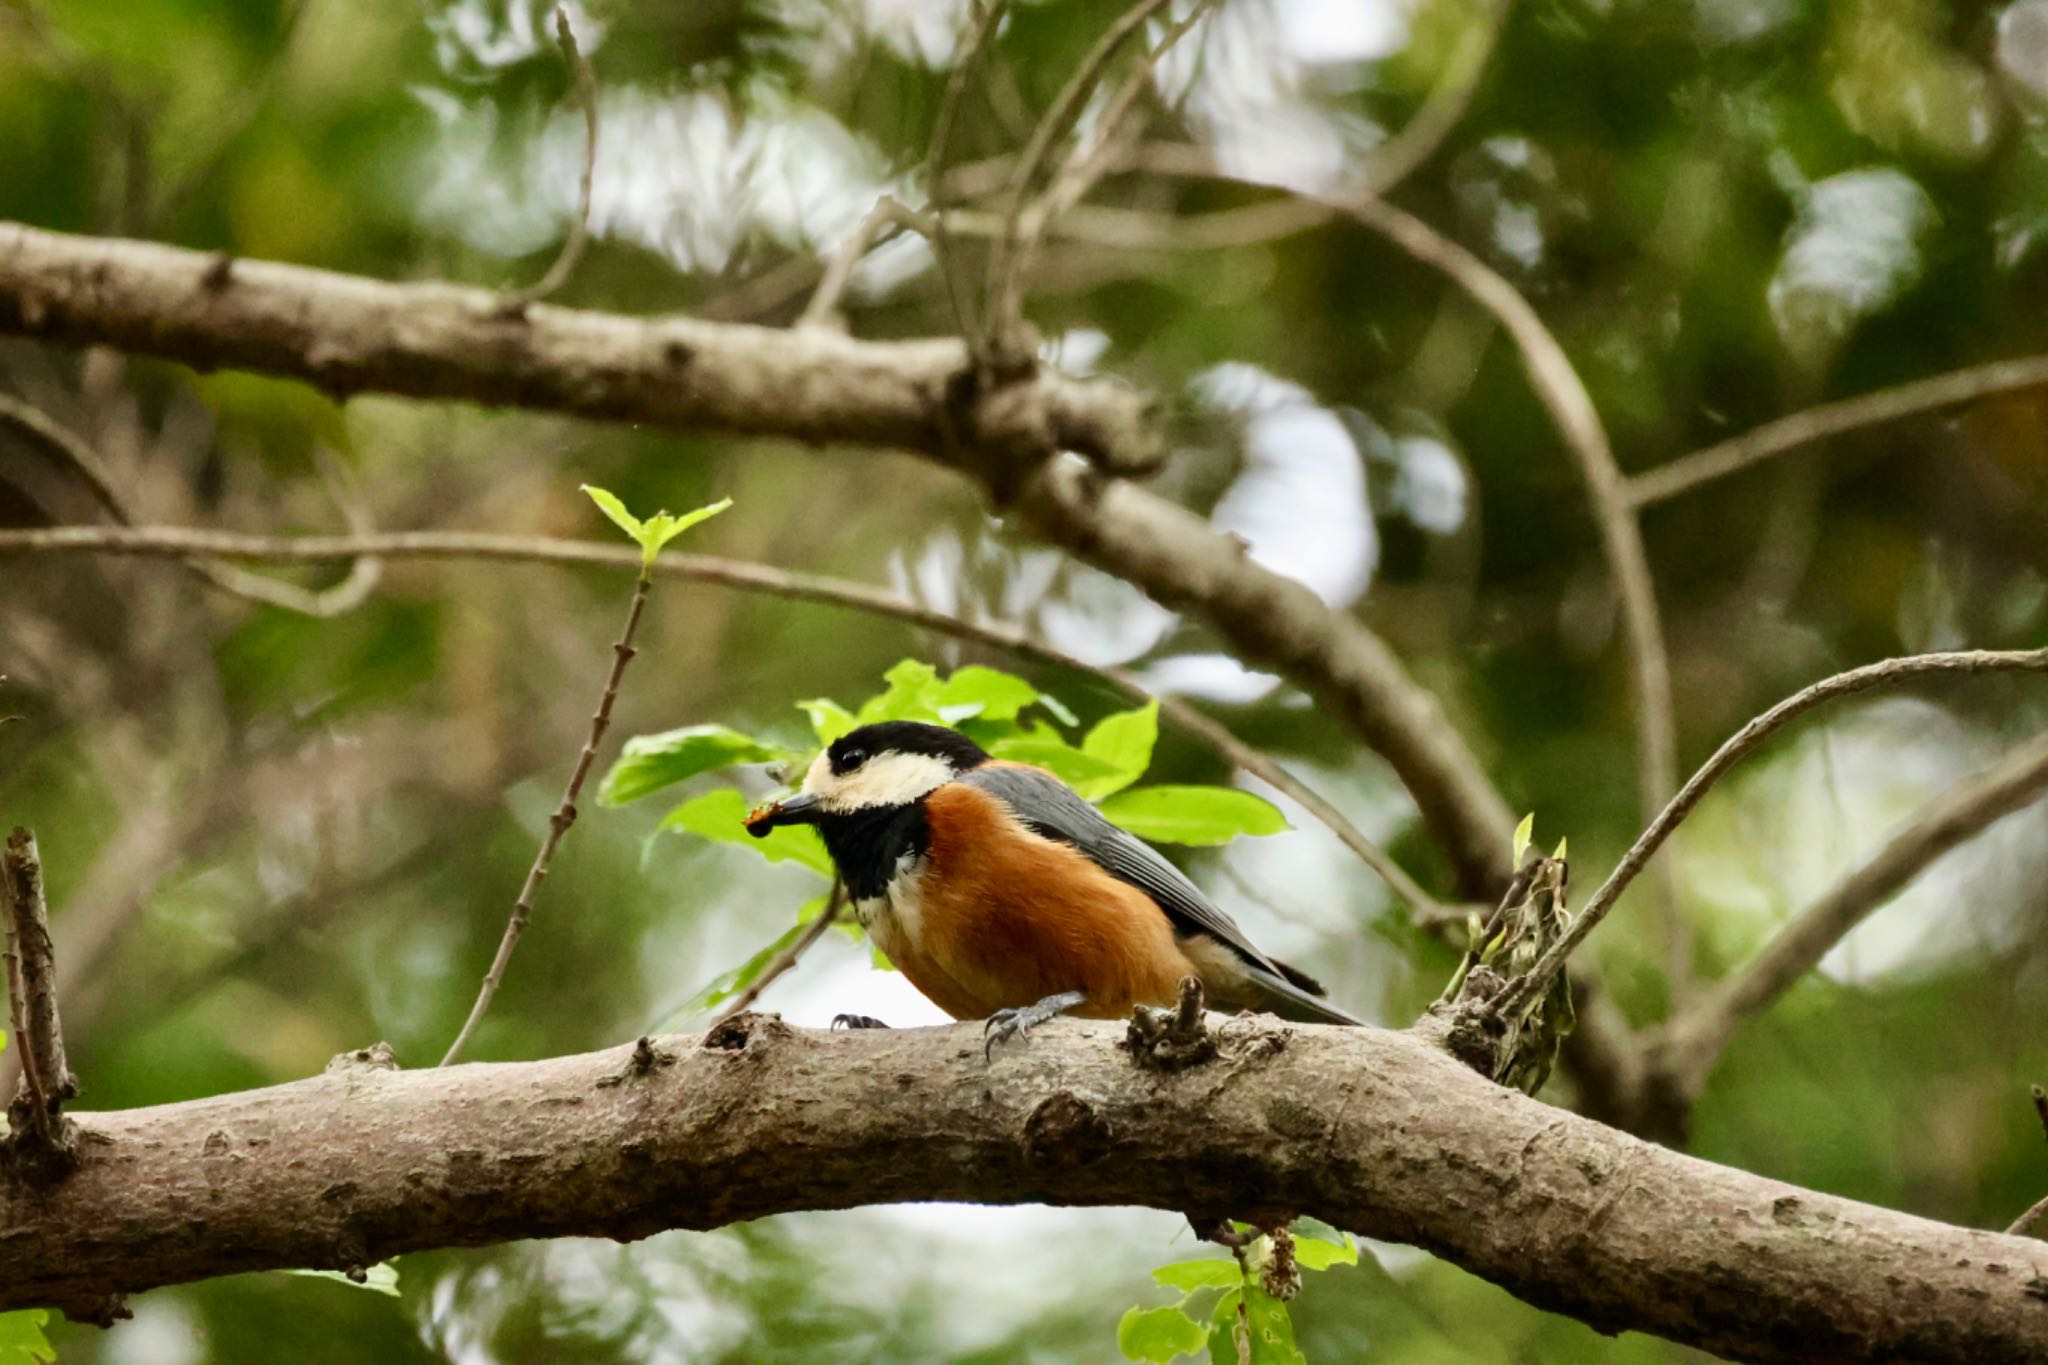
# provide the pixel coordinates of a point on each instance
(850, 1021)
(1018, 1021)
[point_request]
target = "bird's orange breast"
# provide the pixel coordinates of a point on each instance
(1002, 917)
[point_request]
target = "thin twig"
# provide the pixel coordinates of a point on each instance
(35, 1115)
(1958, 815)
(563, 817)
(1882, 674)
(988, 15)
(578, 241)
(71, 450)
(1564, 395)
(1082, 171)
(173, 542)
(1066, 107)
(785, 959)
(1753, 447)
(1401, 155)
(2040, 1097)
(889, 216)
(2023, 1226)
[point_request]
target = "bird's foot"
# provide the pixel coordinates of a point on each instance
(856, 1021)
(1017, 1023)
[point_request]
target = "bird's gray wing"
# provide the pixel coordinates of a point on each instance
(1051, 808)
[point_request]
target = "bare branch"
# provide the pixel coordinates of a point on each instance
(1564, 396)
(988, 16)
(784, 960)
(1748, 738)
(1060, 116)
(889, 216)
(2040, 1106)
(1401, 155)
(578, 241)
(347, 334)
(173, 541)
(563, 817)
(71, 450)
(1028, 226)
(1697, 1037)
(41, 1134)
(760, 1118)
(1738, 453)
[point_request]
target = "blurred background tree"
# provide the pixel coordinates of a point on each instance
(271, 837)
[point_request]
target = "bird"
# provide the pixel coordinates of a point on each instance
(1002, 894)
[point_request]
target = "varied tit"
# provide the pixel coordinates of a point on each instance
(1002, 894)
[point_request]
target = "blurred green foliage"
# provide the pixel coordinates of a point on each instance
(271, 839)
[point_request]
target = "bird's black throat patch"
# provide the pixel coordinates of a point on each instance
(867, 845)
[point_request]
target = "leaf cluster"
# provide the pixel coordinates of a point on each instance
(1246, 1321)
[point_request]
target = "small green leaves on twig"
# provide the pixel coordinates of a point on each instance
(651, 535)
(658, 530)
(1248, 1321)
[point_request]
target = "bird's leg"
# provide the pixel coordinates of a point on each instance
(1004, 1025)
(856, 1021)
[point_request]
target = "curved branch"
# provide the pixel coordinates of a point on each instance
(174, 541)
(1373, 1131)
(1743, 741)
(1564, 396)
(1695, 1038)
(1738, 453)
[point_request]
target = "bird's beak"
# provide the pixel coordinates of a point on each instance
(801, 809)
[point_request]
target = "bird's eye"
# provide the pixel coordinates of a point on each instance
(851, 759)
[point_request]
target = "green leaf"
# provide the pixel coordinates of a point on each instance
(1223, 1329)
(608, 503)
(1193, 815)
(665, 528)
(1124, 741)
(1078, 769)
(995, 695)
(912, 694)
(1157, 1335)
(1272, 1330)
(1523, 833)
(650, 762)
(722, 814)
(1210, 1272)
(829, 720)
(1314, 1253)
(21, 1337)
(381, 1278)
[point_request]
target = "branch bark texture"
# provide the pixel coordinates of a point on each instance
(347, 335)
(1377, 1132)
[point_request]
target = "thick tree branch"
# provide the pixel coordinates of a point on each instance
(1693, 1041)
(1271, 619)
(1376, 1132)
(347, 335)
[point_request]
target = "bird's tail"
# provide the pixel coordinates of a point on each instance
(1298, 996)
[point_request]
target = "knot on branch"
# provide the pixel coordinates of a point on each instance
(1065, 1129)
(1004, 422)
(748, 1032)
(646, 1057)
(378, 1056)
(1171, 1039)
